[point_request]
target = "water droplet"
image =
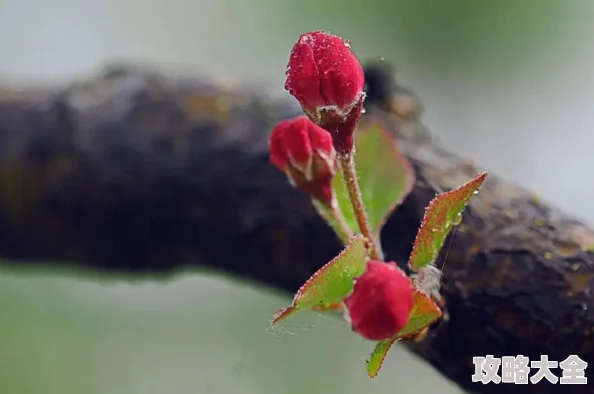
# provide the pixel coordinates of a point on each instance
(306, 39)
(382, 59)
(363, 110)
(475, 192)
(575, 267)
(457, 219)
(548, 255)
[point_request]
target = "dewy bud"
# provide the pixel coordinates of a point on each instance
(304, 152)
(381, 301)
(327, 79)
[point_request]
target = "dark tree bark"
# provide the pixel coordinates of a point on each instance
(137, 172)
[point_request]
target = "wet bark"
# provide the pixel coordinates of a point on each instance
(137, 172)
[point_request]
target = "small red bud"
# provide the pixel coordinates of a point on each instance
(327, 79)
(381, 301)
(304, 152)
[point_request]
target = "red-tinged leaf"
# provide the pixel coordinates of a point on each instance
(329, 307)
(330, 284)
(424, 313)
(375, 362)
(385, 177)
(442, 214)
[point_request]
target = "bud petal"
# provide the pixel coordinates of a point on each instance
(381, 301)
(324, 75)
(304, 152)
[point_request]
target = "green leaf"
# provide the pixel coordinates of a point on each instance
(424, 313)
(385, 177)
(375, 362)
(442, 214)
(328, 287)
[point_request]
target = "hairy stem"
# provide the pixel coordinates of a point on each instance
(347, 164)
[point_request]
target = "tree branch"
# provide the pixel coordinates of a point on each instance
(138, 172)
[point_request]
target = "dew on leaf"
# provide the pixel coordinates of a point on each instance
(331, 283)
(441, 215)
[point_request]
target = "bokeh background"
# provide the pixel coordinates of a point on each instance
(508, 83)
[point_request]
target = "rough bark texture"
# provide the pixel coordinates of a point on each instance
(134, 171)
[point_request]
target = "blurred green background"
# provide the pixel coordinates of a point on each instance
(506, 82)
(192, 334)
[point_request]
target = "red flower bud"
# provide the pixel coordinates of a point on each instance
(304, 152)
(381, 301)
(327, 79)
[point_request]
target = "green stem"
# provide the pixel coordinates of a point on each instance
(347, 164)
(342, 223)
(338, 221)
